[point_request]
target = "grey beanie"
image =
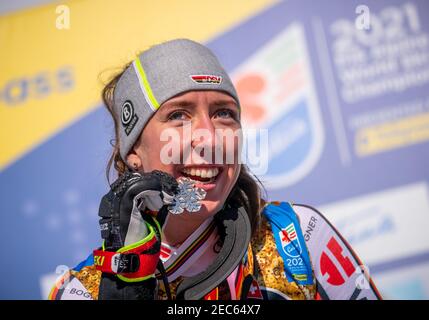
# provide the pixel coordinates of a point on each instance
(158, 74)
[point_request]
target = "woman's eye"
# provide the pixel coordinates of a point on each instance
(178, 115)
(226, 113)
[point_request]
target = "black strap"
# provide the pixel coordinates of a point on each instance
(164, 279)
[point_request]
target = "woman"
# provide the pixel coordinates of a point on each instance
(178, 224)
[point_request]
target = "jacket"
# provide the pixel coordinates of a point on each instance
(295, 253)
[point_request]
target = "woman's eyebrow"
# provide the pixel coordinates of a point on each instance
(191, 104)
(175, 104)
(224, 102)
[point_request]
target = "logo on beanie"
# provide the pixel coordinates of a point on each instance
(206, 78)
(128, 118)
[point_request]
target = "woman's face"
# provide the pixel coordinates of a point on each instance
(184, 138)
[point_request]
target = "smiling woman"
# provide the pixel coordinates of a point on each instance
(185, 219)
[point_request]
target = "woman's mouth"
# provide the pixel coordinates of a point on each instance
(204, 177)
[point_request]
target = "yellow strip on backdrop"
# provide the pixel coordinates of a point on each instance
(392, 135)
(50, 74)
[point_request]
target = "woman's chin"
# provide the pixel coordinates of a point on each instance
(208, 209)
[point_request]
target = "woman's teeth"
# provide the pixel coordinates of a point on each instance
(202, 173)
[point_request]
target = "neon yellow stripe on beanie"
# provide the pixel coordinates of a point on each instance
(144, 84)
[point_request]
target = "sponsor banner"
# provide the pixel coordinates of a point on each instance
(339, 272)
(395, 220)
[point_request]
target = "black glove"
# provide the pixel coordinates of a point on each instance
(132, 234)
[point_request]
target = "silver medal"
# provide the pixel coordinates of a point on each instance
(187, 198)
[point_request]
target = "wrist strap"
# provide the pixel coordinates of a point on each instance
(133, 263)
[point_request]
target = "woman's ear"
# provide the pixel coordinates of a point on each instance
(134, 160)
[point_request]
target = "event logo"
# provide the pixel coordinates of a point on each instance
(277, 93)
(290, 242)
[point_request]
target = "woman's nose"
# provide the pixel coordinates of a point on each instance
(203, 133)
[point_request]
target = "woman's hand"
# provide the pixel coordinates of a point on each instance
(122, 210)
(132, 236)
